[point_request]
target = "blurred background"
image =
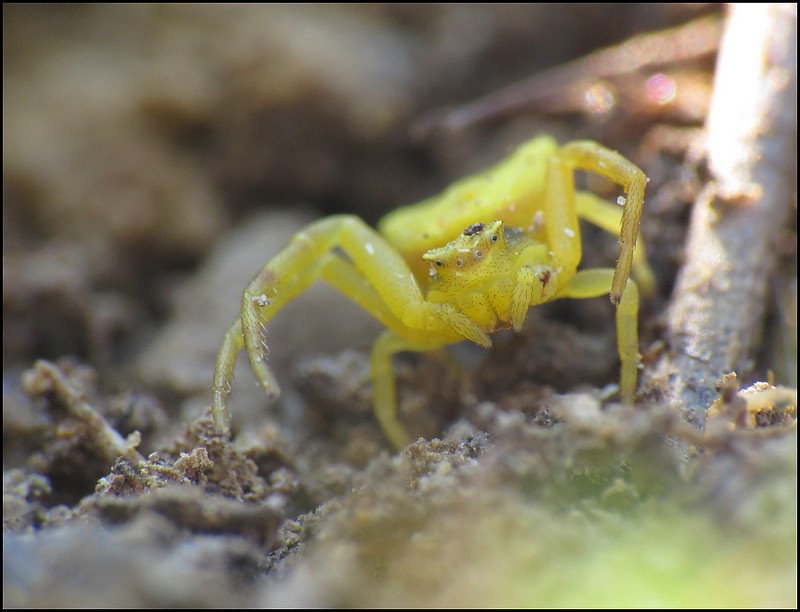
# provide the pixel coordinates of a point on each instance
(136, 136)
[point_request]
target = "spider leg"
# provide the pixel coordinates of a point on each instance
(383, 382)
(360, 263)
(592, 157)
(593, 282)
(608, 216)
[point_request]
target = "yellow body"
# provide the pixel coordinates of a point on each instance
(458, 266)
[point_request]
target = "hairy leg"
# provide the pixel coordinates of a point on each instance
(593, 157)
(370, 271)
(608, 216)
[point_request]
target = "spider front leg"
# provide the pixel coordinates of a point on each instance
(561, 210)
(608, 216)
(338, 272)
(371, 272)
(594, 282)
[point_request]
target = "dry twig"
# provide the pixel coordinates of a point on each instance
(48, 378)
(715, 318)
(686, 42)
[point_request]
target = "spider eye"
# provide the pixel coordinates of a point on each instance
(474, 229)
(478, 254)
(459, 262)
(495, 238)
(439, 263)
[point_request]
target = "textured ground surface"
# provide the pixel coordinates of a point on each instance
(156, 157)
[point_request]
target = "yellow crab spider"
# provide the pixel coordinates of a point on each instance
(459, 266)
